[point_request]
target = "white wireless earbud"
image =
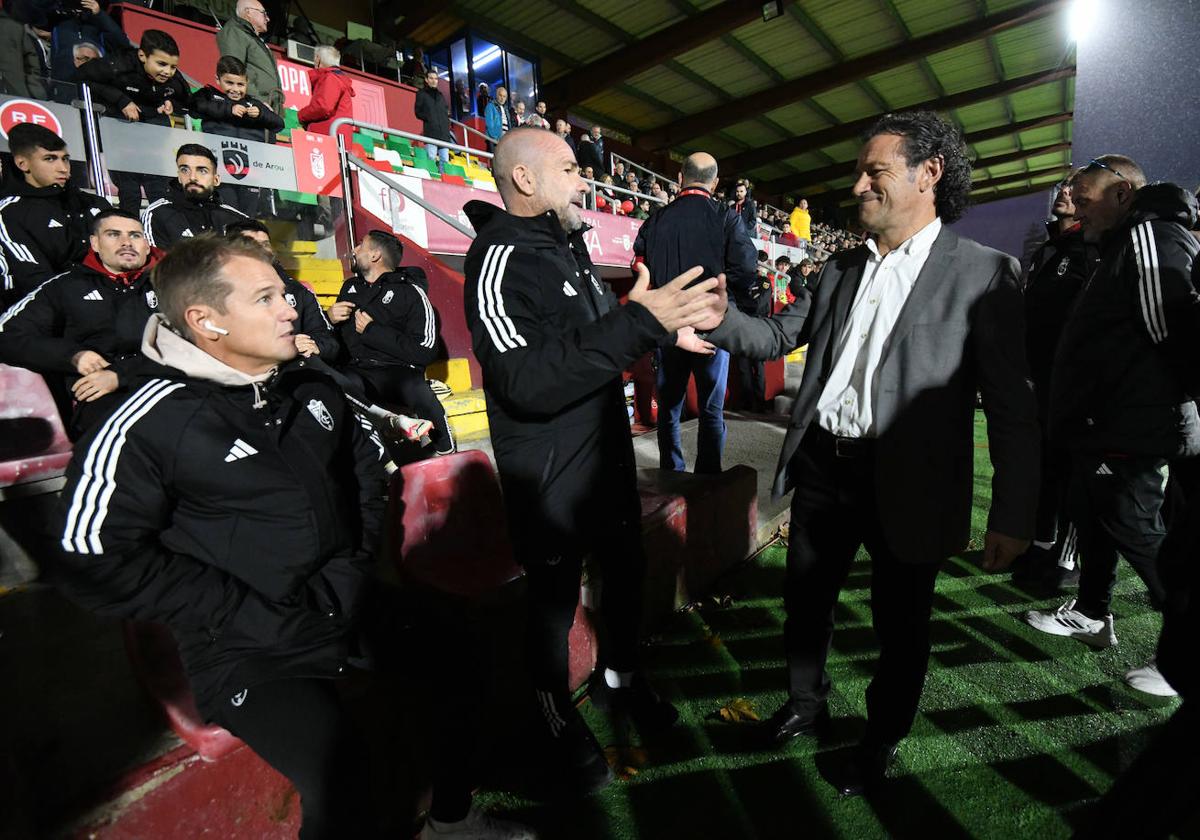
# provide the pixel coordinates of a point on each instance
(209, 325)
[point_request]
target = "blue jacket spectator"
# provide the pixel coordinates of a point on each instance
(497, 116)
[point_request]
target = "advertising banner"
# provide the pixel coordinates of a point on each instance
(137, 147)
(315, 162)
(63, 120)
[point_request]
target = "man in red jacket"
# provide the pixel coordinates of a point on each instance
(331, 94)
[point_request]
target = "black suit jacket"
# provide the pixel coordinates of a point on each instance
(960, 331)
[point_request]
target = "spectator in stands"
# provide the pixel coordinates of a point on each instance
(881, 438)
(643, 209)
(518, 112)
(696, 231)
(242, 38)
(1057, 272)
(85, 324)
(332, 92)
(563, 130)
(228, 111)
(619, 171)
(786, 237)
(482, 98)
(497, 117)
(155, 536)
(430, 108)
(89, 28)
(744, 207)
(413, 69)
(45, 221)
(192, 205)
(538, 118)
(1122, 390)
(631, 182)
(389, 332)
(801, 220)
(552, 367)
(20, 64)
(590, 151)
(140, 85)
(461, 100)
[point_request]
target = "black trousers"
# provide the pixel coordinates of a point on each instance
(752, 374)
(1116, 504)
(406, 387)
(834, 511)
(1053, 524)
(131, 184)
(300, 728)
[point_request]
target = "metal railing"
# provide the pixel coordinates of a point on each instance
(614, 158)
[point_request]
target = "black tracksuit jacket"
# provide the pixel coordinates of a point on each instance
(404, 328)
(696, 230)
(119, 79)
(80, 309)
(553, 341)
(177, 217)
(1124, 375)
(1058, 270)
(216, 110)
(43, 230)
(247, 530)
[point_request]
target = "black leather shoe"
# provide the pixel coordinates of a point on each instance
(787, 723)
(867, 770)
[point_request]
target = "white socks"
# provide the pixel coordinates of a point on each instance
(618, 679)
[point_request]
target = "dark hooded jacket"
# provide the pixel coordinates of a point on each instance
(1125, 372)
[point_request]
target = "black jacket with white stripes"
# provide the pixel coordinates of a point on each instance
(177, 216)
(1125, 373)
(310, 318)
(404, 324)
(553, 341)
(242, 515)
(42, 231)
(81, 309)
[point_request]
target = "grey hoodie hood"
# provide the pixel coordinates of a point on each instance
(162, 344)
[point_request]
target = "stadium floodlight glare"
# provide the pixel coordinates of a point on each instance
(1081, 18)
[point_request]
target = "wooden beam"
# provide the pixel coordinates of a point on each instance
(584, 82)
(1013, 193)
(848, 72)
(748, 161)
(813, 177)
(1016, 128)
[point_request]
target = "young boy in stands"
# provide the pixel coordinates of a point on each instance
(85, 325)
(141, 85)
(45, 221)
(192, 205)
(228, 110)
(235, 497)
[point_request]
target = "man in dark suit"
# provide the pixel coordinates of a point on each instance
(901, 332)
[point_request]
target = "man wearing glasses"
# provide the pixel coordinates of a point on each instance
(1121, 390)
(1055, 275)
(242, 38)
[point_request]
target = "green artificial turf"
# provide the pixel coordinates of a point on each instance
(1017, 729)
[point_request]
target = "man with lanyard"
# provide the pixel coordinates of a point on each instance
(692, 230)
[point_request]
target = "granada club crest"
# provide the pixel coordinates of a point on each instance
(17, 111)
(236, 158)
(316, 162)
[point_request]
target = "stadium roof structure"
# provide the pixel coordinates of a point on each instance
(783, 101)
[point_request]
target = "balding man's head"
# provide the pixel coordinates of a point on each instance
(700, 170)
(535, 171)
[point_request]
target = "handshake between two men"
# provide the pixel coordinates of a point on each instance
(684, 305)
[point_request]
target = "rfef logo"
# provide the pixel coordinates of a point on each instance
(236, 157)
(17, 111)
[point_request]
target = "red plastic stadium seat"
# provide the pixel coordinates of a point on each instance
(381, 165)
(454, 179)
(155, 658)
(450, 532)
(358, 151)
(33, 443)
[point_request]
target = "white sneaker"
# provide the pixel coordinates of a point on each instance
(477, 825)
(1150, 680)
(1068, 621)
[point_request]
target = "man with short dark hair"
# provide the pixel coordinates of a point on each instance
(192, 205)
(695, 230)
(590, 150)
(389, 332)
(1058, 271)
(85, 325)
(1122, 390)
(430, 107)
(553, 341)
(743, 205)
(45, 221)
(901, 335)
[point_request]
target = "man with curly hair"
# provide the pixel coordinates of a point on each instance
(902, 331)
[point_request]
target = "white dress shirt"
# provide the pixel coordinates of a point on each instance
(846, 406)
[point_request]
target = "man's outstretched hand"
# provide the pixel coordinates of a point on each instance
(673, 305)
(686, 339)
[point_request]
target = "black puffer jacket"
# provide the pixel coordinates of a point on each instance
(215, 109)
(242, 515)
(404, 325)
(119, 79)
(1125, 374)
(178, 216)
